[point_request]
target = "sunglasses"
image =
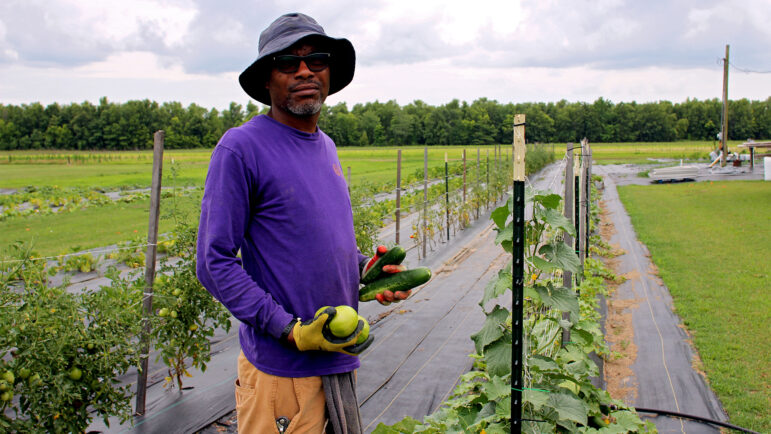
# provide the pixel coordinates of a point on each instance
(289, 64)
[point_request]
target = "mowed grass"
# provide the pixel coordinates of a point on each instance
(375, 165)
(102, 226)
(641, 153)
(378, 165)
(100, 169)
(55, 234)
(712, 244)
(134, 168)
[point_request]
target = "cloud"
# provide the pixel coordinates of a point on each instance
(76, 32)
(465, 40)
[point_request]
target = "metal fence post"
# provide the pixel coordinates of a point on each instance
(518, 273)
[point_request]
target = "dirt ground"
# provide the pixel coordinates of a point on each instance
(618, 375)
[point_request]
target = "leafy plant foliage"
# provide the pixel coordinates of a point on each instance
(558, 395)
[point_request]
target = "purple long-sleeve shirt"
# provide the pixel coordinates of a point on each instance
(278, 195)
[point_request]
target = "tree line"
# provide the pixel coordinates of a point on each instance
(129, 126)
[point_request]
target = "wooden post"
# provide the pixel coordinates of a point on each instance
(478, 192)
(518, 273)
(724, 129)
(582, 216)
(425, 199)
(398, 192)
(464, 177)
(152, 241)
(588, 151)
(487, 185)
(567, 276)
(447, 195)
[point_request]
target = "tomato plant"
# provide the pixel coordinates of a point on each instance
(187, 315)
(63, 351)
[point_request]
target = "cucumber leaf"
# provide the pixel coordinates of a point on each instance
(561, 298)
(492, 330)
(569, 407)
(498, 357)
(560, 256)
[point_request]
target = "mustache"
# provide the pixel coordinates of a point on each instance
(305, 84)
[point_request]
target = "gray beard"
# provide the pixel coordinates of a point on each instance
(308, 108)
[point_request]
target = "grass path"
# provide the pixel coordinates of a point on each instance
(710, 241)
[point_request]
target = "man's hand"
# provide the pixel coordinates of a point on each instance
(314, 334)
(386, 297)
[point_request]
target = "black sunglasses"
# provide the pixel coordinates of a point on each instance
(288, 63)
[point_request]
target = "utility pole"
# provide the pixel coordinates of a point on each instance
(724, 127)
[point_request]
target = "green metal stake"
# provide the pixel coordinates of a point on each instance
(518, 274)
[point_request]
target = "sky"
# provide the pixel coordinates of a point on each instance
(431, 50)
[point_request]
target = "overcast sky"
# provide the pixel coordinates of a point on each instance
(433, 50)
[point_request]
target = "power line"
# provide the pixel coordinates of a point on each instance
(748, 71)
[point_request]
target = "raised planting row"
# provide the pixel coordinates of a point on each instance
(558, 395)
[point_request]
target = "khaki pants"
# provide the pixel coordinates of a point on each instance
(262, 398)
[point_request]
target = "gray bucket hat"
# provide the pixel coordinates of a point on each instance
(282, 34)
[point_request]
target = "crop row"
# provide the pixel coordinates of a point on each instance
(558, 395)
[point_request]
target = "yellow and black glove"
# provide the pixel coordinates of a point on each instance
(314, 334)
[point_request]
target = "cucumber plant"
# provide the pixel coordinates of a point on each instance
(558, 395)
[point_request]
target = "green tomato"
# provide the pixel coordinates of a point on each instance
(4, 386)
(173, 313)
(35, 380)
(345, 321)
(9, 377)
(163, 312)
(176, 292)
(364, 332)
(90, 346)
(75, 374)
(193, 327)
(6, 396)
(24, 373)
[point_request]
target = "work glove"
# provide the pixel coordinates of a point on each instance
(314, 334)
(387, 296)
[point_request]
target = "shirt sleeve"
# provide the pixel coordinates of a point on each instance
(225, 211)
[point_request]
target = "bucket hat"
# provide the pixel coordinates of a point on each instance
(284, 32)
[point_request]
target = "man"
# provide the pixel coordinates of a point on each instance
(275, 192)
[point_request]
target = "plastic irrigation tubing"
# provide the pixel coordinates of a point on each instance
(693, 417)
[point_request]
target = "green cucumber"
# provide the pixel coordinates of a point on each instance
(402, 281)
(394, 256)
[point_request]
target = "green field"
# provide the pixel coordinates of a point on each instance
(98, 226)
(712, 244)
(91, 227)
(372, 164)
(133, 169)
(641, 153)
